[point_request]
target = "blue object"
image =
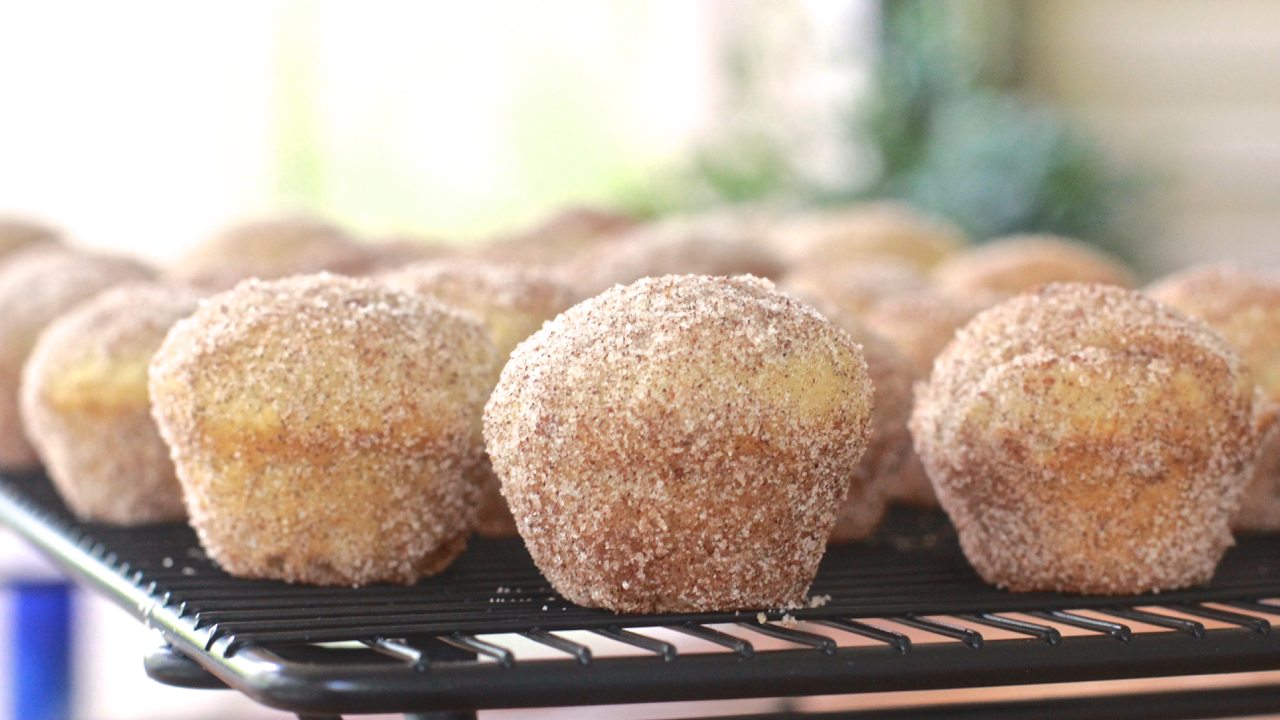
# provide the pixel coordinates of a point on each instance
(41, 650)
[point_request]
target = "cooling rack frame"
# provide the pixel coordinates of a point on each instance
(425, 649)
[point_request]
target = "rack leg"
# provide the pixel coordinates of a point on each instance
(442, 651)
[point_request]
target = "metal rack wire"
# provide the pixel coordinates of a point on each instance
(903, 612)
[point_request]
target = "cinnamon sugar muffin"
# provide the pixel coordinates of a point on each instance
(512, 302)
(1086, 438)
(854, 288)
(919, 324)
(323, 428)
(35, 288)
(1244, 307)
(270, 248)
(560, 238)
(857, 233)
(391, 254)
(894, 303)
(888, 442)
(17, 234)
(1015, 264)
(86, 408)
(697, 245)
(682, 443)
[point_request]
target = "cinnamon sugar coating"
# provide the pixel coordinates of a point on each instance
(1015, 264)
(270, 248)
(681, 443)
(513, 302)
(323, 428)
(35, 288)
(86, 408)
(1086, 438)
(1244, 307)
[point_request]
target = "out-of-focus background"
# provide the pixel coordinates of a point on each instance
(1147, 127)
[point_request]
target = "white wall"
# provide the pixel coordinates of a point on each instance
(135, 123)
(1191, 90)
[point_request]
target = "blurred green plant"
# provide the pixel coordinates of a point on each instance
(953, 137)
(945, 129)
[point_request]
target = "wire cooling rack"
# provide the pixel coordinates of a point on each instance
(901, 612)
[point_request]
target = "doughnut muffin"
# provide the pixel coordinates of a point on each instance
(892, 302)
(697, 245)
(888, 442)
(512, 302)
(1086, 438)
(1015, 264)
(270, 248)
(391, 254)
(876, 230)
(854, 288)
(17, 234)
(1244, 307)
(35, 288)
(919, 324)
(559, 239)
(86, 408)
(680, 444)
(323, 428)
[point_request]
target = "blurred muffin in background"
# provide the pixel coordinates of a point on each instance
(560, 238)
(36, 288)
(857, 233)
(920, 325)
(853, 288)
(18, 234)
(1244, 308)
(512, 302)
(401, 250)
(269, 248)
(874, 478)
(894, 301)
(693, 245)
(86, 408)
(1012, 265)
